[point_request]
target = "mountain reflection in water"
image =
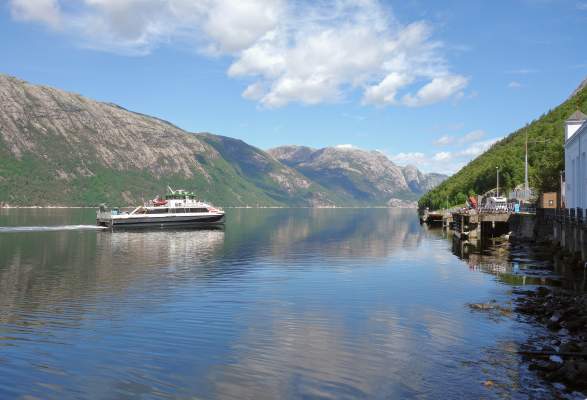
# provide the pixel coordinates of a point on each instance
(282, 303)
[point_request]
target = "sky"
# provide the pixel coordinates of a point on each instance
(428, 83)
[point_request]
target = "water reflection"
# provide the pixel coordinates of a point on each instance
(47, 268)
(280, 304)
(315, 355)
(338, 233)
(515, 264)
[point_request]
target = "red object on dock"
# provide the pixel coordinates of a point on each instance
(473, 202)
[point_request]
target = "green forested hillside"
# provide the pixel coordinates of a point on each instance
(545, 158)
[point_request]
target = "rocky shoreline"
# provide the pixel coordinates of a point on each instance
(557, 304)
(561, 356)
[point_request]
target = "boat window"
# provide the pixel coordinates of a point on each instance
(158, 211)
(178, 210)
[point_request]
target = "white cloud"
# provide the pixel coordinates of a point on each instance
(45, 11)
(440, 162)
(514, 85)
(443, 155)
(447, 162)
(346, 147)
(236, 25)
(254, 91)
(385, 92)
(288, 51)
(440, 88)
(477, 148)
(472, 136)
(444, 140)
(135, 27)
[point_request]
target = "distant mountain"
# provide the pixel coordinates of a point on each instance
(419, 182)
(545, 158)
(357, 175)
(59, 148)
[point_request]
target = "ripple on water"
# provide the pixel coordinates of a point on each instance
(279, 304)
(51, 228)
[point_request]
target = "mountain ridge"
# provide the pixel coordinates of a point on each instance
(102, 152)
(361, 175)
(61, 148)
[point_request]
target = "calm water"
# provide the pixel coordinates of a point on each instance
(280, 304)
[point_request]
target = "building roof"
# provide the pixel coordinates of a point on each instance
(577, 116)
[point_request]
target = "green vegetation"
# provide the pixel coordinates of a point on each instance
(545, 159)
(61, 149)
(239, 177)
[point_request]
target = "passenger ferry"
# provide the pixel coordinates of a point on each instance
(179, 208)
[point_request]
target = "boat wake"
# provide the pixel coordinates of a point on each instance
(11, 229)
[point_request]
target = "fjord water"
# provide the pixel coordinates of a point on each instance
(282, 303)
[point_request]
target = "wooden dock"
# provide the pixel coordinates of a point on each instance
(469, 224)
(473, 224)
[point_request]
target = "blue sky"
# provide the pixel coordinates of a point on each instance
(427, 82)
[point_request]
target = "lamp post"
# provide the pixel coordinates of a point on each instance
(497, 190)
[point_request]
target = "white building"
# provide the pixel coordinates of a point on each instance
(575, 161)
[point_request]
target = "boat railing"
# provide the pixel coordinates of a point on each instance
(104, 214)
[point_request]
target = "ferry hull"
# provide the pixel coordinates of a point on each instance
(164, 222)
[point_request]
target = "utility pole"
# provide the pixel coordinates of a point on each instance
(497, 190)
(526, 183)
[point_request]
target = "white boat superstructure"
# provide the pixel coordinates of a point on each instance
(179, 208)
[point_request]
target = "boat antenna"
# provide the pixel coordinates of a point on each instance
(171, 190)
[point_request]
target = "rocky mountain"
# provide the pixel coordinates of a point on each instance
(419, 182)
(357, 175)
(59, 148)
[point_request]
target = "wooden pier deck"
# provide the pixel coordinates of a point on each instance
(469, 223)
(473, 224)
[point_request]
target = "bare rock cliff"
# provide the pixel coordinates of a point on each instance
(62, 148)
(368, 176)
